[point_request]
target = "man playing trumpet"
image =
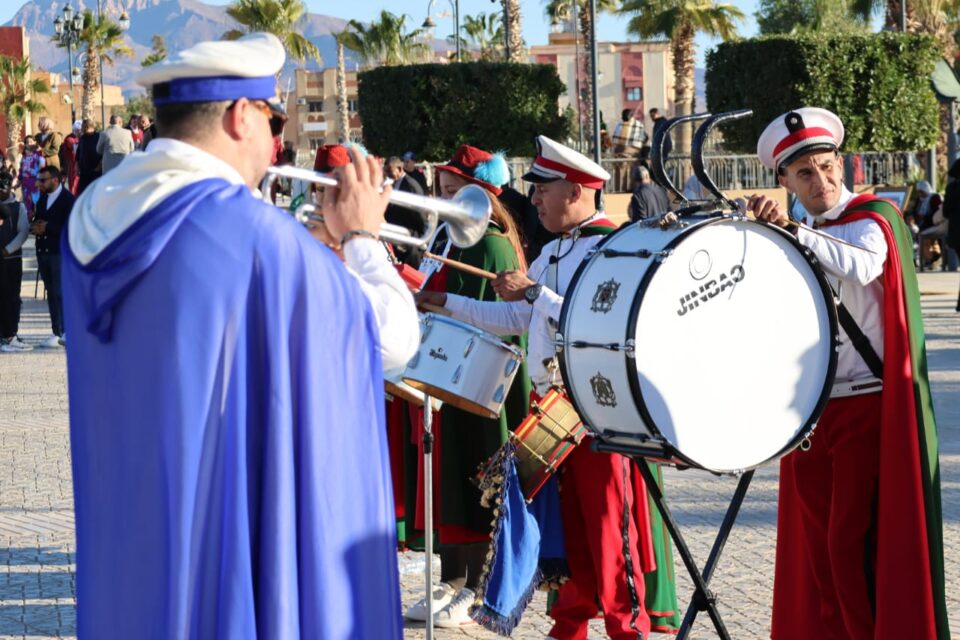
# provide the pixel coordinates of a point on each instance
(225, 370)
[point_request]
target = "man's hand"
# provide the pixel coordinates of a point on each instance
(510, 285)
(357, 204)
(436, 298)
(767, 209)
(6, 254)
(39, 227)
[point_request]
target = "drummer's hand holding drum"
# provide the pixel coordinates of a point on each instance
(435, 298)
(356, 207)
(511, 285)
(767, 209)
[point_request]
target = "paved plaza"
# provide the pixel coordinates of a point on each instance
(37, 585)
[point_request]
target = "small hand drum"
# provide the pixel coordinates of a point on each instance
(543, 441)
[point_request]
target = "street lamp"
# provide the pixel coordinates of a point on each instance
(124, 23)
(68, 28)
(430, 24)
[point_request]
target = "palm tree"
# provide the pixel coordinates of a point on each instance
(279, 17)
(158, 52)
(103, 39)
(680, 21)
(17, 102)
(386, 42)
(560, 11)
(343, 107)
(483, 32)
(513, 29)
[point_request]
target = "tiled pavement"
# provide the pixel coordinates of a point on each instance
(37, 588)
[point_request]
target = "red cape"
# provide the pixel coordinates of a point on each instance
(909, 564)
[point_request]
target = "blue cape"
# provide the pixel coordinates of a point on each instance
(230, 468)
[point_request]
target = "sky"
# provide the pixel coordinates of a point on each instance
(535, 25)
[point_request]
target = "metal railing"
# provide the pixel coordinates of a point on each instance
(729, 172)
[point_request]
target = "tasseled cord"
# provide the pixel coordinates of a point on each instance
(494, 486)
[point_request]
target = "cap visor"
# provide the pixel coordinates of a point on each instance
(820, 146)
(536, 178)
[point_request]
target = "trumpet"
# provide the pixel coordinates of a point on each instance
(467, 214)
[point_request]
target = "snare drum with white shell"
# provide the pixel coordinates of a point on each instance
(714, 339)
(462, 365)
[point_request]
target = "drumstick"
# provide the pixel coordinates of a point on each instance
(461, 266)
(742, 206)
(828, 236)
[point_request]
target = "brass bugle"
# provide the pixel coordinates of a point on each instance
(467, 214)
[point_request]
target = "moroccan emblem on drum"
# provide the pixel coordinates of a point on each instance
(605, 296)
(603, 391)
(700, 264)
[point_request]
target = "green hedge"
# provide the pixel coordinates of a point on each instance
(434, 108)
(879, 85)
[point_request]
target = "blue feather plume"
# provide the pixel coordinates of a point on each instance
(494, 170)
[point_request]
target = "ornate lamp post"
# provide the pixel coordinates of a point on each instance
(124, 23)
(430, 24)
(68, 28)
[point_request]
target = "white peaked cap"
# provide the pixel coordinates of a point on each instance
(555, 161)
(797, 132)
(218, 70)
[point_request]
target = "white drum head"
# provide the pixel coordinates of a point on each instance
(733, 345)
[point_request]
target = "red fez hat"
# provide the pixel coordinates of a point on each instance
(331, 156)
(489, 170)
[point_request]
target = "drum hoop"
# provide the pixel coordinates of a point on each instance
(486, 336)
(629, 362)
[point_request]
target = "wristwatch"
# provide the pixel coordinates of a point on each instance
(532, 293)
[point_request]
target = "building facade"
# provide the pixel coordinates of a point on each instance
(312, 106)
(631, 75)
(60, 104)
(15, 44)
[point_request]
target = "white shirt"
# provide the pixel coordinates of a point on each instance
(855, 274)
(52, 197)
(389, 297)
(541, 319)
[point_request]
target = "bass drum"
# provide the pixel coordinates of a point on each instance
(714, 341)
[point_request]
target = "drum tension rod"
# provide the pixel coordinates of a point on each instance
(570, 437)
(532, 451)
(610, 346)
(640, 253)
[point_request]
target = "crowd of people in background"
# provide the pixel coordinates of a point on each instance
(37, 191)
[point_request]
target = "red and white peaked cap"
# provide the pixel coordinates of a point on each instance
(797, 132)
(555, 161)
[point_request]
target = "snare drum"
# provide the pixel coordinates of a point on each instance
(714, 340)
(544, 440)
(396, 388)
(462, 365)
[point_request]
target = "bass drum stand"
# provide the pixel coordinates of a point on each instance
(703, 598)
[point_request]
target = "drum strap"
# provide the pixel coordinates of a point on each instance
(860, 341)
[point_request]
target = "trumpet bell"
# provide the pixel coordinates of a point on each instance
(470, 226)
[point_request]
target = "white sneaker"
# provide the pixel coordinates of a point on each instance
(53, 342)
(456, 614)
(442, 596)
(15, 345)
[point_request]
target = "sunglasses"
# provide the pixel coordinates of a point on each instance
(276, 118)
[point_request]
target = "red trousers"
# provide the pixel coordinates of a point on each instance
(592, 490)
(835, 489)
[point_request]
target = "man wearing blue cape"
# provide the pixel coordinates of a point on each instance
(226, 406)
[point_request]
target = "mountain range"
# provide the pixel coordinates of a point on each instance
(182, 23)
